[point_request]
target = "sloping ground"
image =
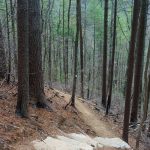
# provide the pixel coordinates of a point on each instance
(78, 142)
(92, 119)
(15, 131)
(103, 126)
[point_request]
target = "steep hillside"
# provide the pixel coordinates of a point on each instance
(41, 123)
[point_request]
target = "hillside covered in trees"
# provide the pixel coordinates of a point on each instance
(74, 66)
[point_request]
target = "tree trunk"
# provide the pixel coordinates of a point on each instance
(58, 48)
(23, 61)
(67, 41)
(9, 48)
(104, 90)
(85, 26)
(14, 35)
(130, 69)
(146, 82)
(139, 64)
(3, 68)
(94, 49)
(112, 61)
(76, 52)
(81, 55)
(36, 81)
(50, 55)
(64, 48)
(89, 79)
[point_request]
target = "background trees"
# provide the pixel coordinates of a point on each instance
(92, 20)
(103, 67)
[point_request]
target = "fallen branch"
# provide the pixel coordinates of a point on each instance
(67, 105)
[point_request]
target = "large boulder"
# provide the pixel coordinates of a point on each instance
(80, 142)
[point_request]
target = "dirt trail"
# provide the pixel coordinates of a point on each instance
(91, 118)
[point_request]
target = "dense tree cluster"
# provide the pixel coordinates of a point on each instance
(92, 48)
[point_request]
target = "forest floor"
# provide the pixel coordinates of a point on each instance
(17, 133)
(100, 127)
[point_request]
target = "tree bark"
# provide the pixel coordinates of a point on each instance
(3, 68)
(50, 55)
(9, 48)
(67, 40)
(112, 61)
(104, 90)
(23, 55)
(76, 52)
(139, 64)
(130, 69)
(12, 10)
(81, 55)
(64, 48)
(146, 84)
(36, 81)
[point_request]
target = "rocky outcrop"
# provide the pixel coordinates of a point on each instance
(80, 142)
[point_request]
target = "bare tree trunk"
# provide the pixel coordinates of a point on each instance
(148, 132)
(130, 70)
(112, 61)
(14, 35)
(59, 52)
(64, 48)
(139, 63)
(23, 58)
(81, 55)
(146, 81)
(9, 48)
(36, 81)
(93, 84)
(148, 90)
(50, 55)
(85, 26)
(3, 68)
(104, 90)
(67, 41)
(76, 52)
(45, 43)
(89, 79)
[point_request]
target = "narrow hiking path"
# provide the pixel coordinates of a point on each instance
(86, 115)
(92, 119)
(105, 139)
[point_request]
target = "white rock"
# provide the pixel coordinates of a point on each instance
(78, 145)
(62, 143)
(85, 139)
(78, 142)
(112, 142)
(51, 144)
